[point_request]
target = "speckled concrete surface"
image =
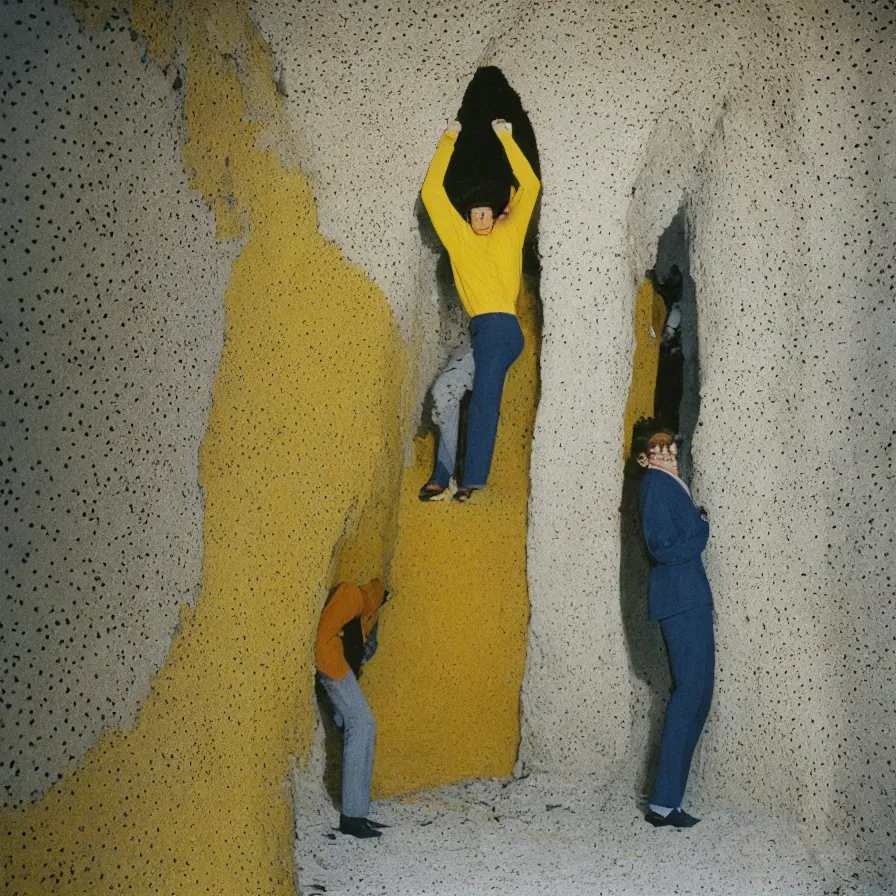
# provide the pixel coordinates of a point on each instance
(557, 835)
(770, 125)
(111, 330)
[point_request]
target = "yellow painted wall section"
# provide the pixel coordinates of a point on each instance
(301, 464)
(445, 684)
(302, 452)
(650, 318)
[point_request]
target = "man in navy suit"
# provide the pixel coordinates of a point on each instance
(676, 532)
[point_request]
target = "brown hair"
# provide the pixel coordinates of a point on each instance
(649, 434)
(661, 439)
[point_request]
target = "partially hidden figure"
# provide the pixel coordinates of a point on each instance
(346, 638)
(676, 532)
(448, 391)
(486, 253)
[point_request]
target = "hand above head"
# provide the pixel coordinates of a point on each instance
(664, 457)
(499, 125)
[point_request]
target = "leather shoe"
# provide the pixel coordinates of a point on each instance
(357, 827)
(676, 819)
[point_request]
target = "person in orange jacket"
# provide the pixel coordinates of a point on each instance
(346, 638)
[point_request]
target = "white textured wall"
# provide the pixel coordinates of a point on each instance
(110, 333)
(622, 120)
(795, 261)
(772, 123)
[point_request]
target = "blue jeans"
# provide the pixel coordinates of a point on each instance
(691, 646)
(497, 342)
(358, 739)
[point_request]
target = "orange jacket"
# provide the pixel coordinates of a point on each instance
(348, 601)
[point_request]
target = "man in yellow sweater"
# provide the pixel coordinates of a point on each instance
(486, 252)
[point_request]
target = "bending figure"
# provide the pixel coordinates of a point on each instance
(486, 253)
(346, 638)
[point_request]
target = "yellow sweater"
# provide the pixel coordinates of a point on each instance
(487, 269)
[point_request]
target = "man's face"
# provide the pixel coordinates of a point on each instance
(482, 220)
(663, 455)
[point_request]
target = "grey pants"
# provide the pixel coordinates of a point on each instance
(358, 739)
(448, 390)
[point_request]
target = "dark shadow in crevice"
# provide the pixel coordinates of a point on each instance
(479, 164)
(677, 399)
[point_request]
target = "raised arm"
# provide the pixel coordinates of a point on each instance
(442, 213)
(523, 203)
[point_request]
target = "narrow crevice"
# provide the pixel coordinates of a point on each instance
(665, 386)
(479, 173)
(677, 394)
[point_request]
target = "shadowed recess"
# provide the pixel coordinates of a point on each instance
(479, 170)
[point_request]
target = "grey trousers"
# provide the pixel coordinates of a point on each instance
(358, 739)
(448, 390)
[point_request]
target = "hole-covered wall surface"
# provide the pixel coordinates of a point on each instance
(769, 122)
(112, 328)
(795, 348)
(299, 447)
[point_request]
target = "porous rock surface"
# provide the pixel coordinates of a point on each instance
(112, 327)
(771, 123)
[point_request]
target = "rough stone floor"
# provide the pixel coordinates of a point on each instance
(551, 837)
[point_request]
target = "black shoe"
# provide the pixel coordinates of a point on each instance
(676, 819)
(432, 491)
(356, 827)
(376, 824)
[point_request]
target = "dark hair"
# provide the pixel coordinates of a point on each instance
(483, 196)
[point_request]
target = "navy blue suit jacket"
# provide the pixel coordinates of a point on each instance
(676, 534)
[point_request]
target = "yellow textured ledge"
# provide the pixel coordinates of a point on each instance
(650, 318)
(445, 689)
